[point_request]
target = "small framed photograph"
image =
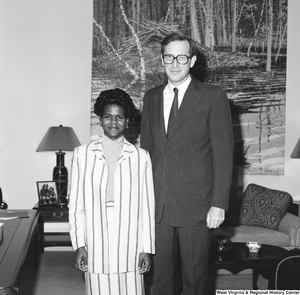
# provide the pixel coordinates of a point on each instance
(47, 192)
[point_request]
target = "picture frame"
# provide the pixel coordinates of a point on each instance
(47, 193)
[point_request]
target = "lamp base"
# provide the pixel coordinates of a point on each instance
(60, 176)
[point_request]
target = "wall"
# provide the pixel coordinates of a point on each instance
(45, 73)
(45, 68)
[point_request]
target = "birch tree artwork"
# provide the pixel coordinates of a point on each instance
(241, 48)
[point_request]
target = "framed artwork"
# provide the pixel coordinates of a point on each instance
(242, 49)
(47, 193)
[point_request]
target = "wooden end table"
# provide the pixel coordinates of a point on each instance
(57, 216)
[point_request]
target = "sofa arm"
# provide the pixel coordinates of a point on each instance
(290, 224)
(294, 208)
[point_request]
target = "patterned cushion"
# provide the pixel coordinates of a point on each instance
(263, 207)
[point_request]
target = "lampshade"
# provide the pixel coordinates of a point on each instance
(296, 152)
(59, 139)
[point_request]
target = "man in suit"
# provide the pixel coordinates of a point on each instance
(192, 157)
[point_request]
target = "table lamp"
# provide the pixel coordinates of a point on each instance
(59, 139)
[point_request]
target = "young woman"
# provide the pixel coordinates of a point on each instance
(111, 208)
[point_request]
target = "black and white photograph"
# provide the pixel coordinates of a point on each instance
(47, 192)
(149, 147)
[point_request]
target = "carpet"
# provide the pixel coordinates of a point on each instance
(56, 275)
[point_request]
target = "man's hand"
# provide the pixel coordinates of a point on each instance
(80, 259)
(215, 217)
(144, 262)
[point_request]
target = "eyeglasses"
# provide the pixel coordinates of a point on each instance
(181, 59)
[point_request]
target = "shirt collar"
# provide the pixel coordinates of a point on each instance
(97, 147)
(108, 142)
(182, 87)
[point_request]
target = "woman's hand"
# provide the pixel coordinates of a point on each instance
(80, 259)
(145, 262)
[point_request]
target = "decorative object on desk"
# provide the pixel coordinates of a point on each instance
(296, 152)
(59, 139)
(3, 205)
(47, 192)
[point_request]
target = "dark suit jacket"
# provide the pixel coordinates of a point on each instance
(192, 166)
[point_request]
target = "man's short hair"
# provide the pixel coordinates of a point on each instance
(178, 36)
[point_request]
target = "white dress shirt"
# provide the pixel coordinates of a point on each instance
(169, 96)
(112, 150)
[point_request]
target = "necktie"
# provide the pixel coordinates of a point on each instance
(174, 107)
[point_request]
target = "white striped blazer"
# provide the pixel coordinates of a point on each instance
(134, 207)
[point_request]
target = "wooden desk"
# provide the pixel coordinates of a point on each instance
(18, 234)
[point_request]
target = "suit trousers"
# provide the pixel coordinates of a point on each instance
(193, 244)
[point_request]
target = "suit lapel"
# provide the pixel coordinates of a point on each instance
(97, 148)
(128, 151)
(192, 97)
(158, 114)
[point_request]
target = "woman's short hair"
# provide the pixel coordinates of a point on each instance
(114, 97)
(178, 36)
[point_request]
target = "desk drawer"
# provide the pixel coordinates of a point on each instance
(55, 216)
